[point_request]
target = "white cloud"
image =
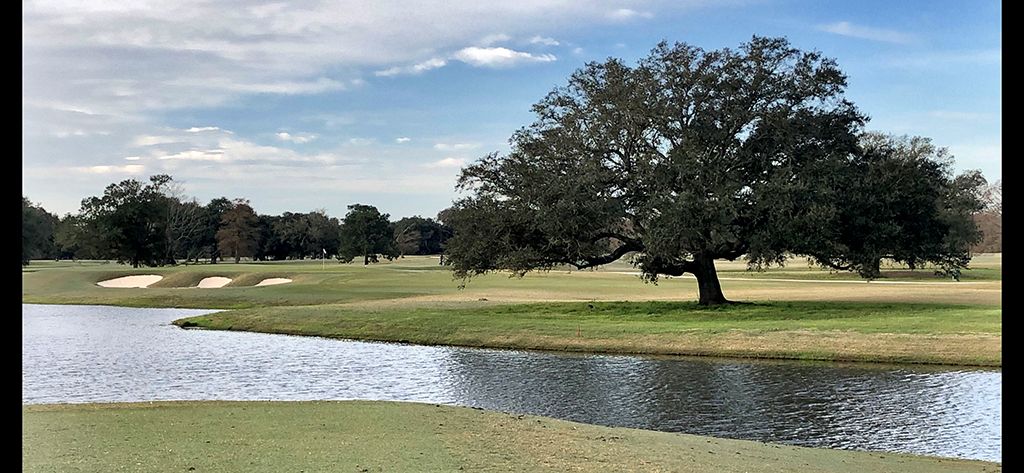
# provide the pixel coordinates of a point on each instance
(493, 38)
(124, 68)
(126, 169)
(544, 41)
(147, 55)
(197, 155)
(361, 141)
(577, 51)
(625, 14)
(152, 140)
(66, 134)
(447, 163)
(283, 87)
(132, 158)
(414, 69)
(299, 138)
(200, 129)
(455, 146)
(404, 139)
(498, 57)
(845, 28)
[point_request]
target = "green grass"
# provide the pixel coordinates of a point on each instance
(800, 312)
(366, 436)
(918, 333)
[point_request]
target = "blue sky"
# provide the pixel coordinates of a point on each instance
(318, 105)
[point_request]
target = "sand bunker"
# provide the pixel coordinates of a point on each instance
(213, 282)
(273, 281)
(131, 281)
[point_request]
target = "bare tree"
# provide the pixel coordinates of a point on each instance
(184, 221)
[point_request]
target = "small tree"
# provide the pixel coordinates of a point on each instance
(238, 234)
(366, 232)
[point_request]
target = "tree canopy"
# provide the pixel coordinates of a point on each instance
(420, 236)
(129, 221)
(366, 232)
(37, 232)
(691, 156)
(238, 234)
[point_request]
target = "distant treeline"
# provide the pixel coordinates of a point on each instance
(154, 224)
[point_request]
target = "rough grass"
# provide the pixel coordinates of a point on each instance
(388, 436)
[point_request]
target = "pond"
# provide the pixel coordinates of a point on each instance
(74, 354)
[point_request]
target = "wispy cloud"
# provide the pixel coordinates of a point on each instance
(493, 39)
(417, 68)
(403, 139)
(197, 155)
(495, 57)
(200, 129)
(456, 146)
(126, 169)
(498, 57)
(299, 138)
(544, 41)
(845, 28)
(447, 163)
(626, 14)
(282, 87)
(151, 140)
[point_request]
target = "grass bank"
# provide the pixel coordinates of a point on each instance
(365, 436)
(800, 311)
(850, 331)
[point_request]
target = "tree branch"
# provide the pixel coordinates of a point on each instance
(608, 258)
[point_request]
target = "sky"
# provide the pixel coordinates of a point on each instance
(309, 105)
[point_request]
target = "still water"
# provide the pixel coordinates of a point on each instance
(74, 354)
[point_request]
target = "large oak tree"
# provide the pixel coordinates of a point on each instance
(687, 157)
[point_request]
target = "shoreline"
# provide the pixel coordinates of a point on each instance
(696, 353)
(414, 301)
(922, 349)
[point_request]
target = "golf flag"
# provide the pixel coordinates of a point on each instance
(324, 250)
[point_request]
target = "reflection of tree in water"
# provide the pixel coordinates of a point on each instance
(813, 404)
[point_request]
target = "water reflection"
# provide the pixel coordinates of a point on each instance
(98, 354)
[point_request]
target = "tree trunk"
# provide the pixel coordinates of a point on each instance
(708, 287)
(366, 260)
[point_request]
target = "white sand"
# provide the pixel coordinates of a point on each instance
(273, 281)
(213, 282)
(131, 281)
